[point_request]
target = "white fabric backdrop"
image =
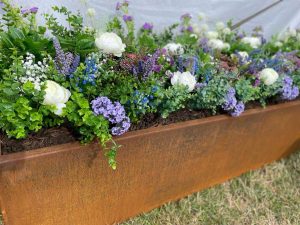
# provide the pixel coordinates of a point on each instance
(165, 12)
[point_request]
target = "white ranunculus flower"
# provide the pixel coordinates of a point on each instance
(226, 30)
(174, 49)
(91, 12)
(220, 25)
(56, 95)
(254, 42)
(212, 35)
(268, 76)
(185, 78)
(218, 44)
(110, 43)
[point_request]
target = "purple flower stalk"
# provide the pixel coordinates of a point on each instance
(127, 18)
(34, 9)
(148, 26)
(289, 91)
(114, 112)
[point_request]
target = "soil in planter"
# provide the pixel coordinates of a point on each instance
(65, 134)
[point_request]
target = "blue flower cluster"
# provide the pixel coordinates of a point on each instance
(90, 71)
(231, 105)
(189, 64)
(289, 91)
(114, 112)
(142, 101)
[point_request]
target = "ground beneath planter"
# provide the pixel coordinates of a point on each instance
(65, 134)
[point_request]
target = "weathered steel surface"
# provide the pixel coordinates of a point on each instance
(72, 184)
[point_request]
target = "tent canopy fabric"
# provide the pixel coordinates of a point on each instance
(163, 13)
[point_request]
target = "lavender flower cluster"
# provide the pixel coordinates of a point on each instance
(66, 63)
(148, 66)
(231, 105)
(31, 10)
(289, 91)
(114, 112)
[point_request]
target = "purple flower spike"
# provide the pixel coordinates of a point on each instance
(34, 9)
(127, 18)
(118, 6)
(148, 26)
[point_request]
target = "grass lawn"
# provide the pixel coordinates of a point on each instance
(269, 196)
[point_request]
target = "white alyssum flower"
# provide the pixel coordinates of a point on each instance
(56, 95)
(174, 49)
(220, 26)
(110, 43)
(218, 44)
(212, 35)
(185, 78)
(36, 73)
(254, 42)
(268, 76)
(196, 29)
(91, 12)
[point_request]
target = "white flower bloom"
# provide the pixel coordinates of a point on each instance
(244, 55)
(185, 78)
(196, 28)
(226, 30)
(194, 36)
(278, 44)
(201, 16)
(254, 42)
(91, 12)
(56, 95)
(212, 35)
(218, 44)
(110, 43)
(174, 49)
(268, 76)
(204, 27)
(220, 26)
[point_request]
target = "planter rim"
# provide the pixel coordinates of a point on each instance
(134, 134)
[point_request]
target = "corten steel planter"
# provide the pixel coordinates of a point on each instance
(71, 184)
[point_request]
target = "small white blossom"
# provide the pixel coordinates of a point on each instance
(212, 35)
(91, 12)
(220, 26)
(254, 42)
(218, 44)
(174, 49)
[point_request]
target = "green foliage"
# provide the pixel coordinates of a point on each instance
(212, 95)
(246, 91)
(74, 38)
(20, 107)
(174, 98)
